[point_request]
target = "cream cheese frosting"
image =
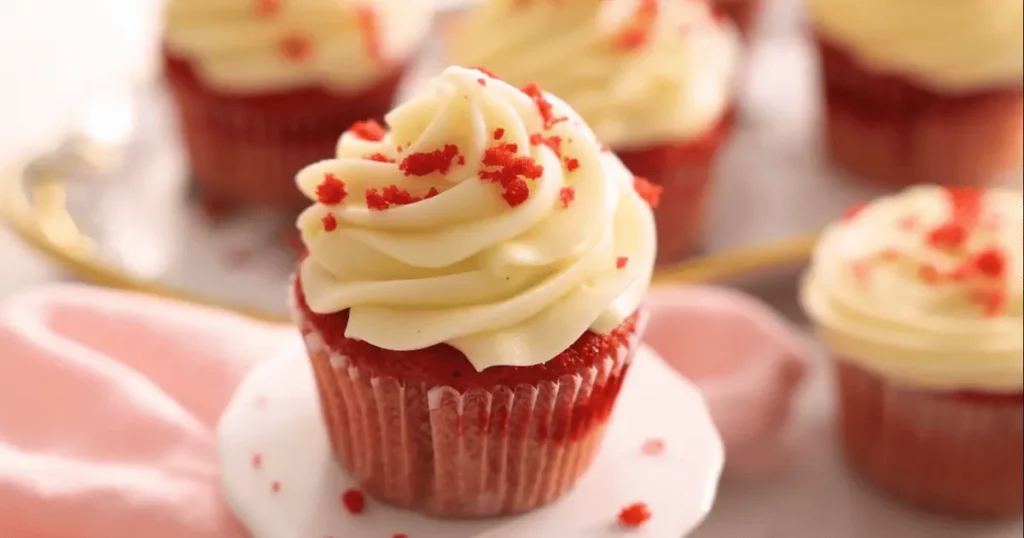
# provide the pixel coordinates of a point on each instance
(924, 287)
(487, 217)
(951, 45)
(641, 72)
(268, 45)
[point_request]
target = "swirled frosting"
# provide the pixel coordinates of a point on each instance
(267, 45)
(952, 45)
(924, 287)
(487, 218)
(640, 72)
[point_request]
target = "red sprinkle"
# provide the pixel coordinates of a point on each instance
(853, 211)
(426, 163)
(543, 105)
(567, 195)
(621, 262)
(354, 501)
(379, 157)
(552, 142)
(368, 130)
(654, 447)
(650, 192)
(634, 515)
(331, 191)
(330, 223)
(296, 48)
(499, 133)
(572, 164)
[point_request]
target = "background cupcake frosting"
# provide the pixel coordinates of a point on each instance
(266, 45)
(639, 71)
(948, 44)
(504, 278)
(885, 291)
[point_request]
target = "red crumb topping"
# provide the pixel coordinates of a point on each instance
(268, 8)
(486, 72)
(330, 222)
(392, 195)
(429, 162)
(567, 195)
(257, 461)
(654, 447)
(296, 47)
(481, 81)
(461, 160)
(621, 262)
(572, 164)
(331, 191)
(507, 168)
(928, 273)
(861, 271)
(379, 157)
(992, 302)
(370, 31)
(275, 487)
(948, 236)
(890, 254)
(650, 192)
(853, 211)
(605, 148)
(908, 223)
(634, 515)
(991, 262)
(966, 205)
(640, 26)
(354, 501)
(499, 133)
(552, 142)
(368, 130)
(547, 112)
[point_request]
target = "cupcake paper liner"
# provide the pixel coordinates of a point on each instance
(246, 150)
(479, 452)
(953, 453)
(685, 172)
(890, 130)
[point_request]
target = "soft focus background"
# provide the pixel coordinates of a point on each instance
(57, 55)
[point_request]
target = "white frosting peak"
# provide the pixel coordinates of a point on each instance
(509, 251)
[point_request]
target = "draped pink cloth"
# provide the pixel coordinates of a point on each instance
(109, 403)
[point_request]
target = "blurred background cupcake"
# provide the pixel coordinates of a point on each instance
(918, 297)
(263, 87)
(922, 90)
(743, 13)
(653, 78)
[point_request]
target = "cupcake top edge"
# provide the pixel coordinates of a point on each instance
(485, 216)
(950, 45)
(641, 72)
(272, 45)
(925, 285)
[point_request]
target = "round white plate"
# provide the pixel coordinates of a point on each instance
(295, 490)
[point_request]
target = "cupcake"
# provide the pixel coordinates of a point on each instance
(653, 78)
(263, 87)
(920, 91)
(470, 297)
(918, 298)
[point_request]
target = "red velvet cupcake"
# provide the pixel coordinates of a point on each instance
(922, 92)
(656, 84)
(743, 13)
(471, 303)
(263, 87)
(918, 296)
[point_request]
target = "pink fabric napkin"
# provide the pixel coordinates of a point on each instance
(109, 401)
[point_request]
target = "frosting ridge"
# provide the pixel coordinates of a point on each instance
(640, 72)
(487, 218)
(266, 45)
(925, 287)
(949, 44)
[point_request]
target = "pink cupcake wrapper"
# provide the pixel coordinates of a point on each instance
(941, 451)
(472, 453)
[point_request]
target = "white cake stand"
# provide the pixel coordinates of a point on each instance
(282, 482)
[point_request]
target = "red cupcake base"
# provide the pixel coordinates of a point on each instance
(422, 430)
(894, 131)
(245, 150)
(953, 453)
(684, 172)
